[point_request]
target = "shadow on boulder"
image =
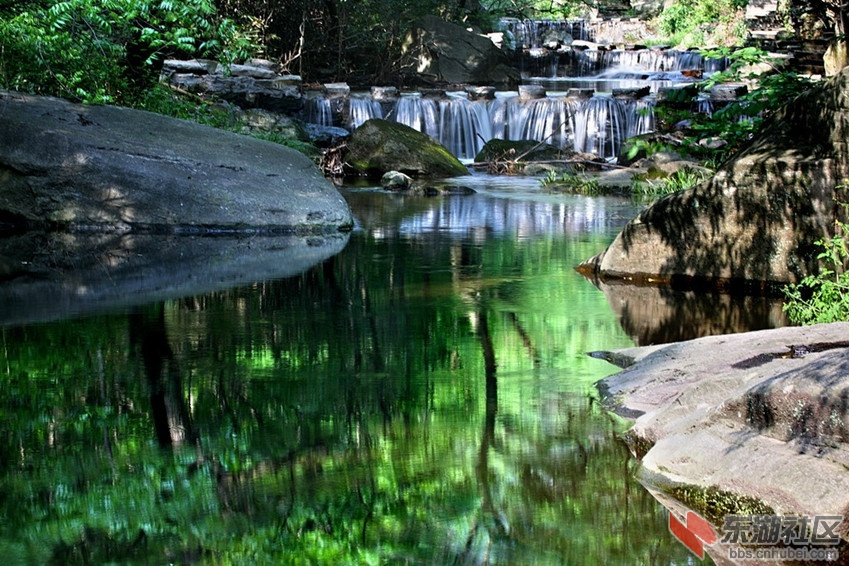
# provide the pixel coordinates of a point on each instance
(755, 224)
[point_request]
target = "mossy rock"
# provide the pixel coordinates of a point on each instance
(379, 146)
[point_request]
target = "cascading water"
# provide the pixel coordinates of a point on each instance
(531, 33)
(555, 114)
(500, 115)
(647, 64)
(703, 105)
(601, 126)
(419, 113)
(464, 125)
(640, 116)
(652, 60)
(317, 110)
(596, 124)
(362, 109)
(550, 119)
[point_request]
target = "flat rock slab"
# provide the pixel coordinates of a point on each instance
(77, 167)
(761, 414)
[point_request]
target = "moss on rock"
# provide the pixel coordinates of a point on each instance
(379, 146)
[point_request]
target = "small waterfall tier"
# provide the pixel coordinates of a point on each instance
(577, 48)
(576, 94)
(464, 121)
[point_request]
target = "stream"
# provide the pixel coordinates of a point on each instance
(422, 396)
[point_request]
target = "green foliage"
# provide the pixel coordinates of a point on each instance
(646, 185)
(109, 50)
(737, 61)
(682, 17)
(686, 22)
(648, 147)
(540, 9)
(824, 296)
(163, 100)
(736, 122)
(571, 182)
(302, 146)
(680, 180)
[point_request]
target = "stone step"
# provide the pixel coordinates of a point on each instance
(764, 9)
(764, 34)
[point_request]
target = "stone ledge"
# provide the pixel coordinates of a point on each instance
(758, 414)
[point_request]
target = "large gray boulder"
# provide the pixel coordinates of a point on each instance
(759, 217)
(760, 415)
(379, 146)
(70, 166)
(442, 52)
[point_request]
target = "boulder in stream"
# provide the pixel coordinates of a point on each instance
(759, 218)
(379, 146)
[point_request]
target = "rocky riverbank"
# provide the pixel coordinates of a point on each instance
(759, 415)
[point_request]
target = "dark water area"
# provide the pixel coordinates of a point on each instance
(422, 396)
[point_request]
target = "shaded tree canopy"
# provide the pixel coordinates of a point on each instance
(107, 50)
(111, 50)
(332, 39)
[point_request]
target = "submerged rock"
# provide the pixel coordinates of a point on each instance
(440, 189)
(77, 167)
(395, 181)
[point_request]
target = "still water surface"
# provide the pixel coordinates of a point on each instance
(424, 396)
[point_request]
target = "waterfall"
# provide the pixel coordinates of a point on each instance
(362, 109)
(317, 110)
(703, 104)
(600, 126)
(564, 116)
(501, 118)
(639, 116)
(550, 120)
(419, 113)
(464, 125)
(586, 62)
(655, 60)
(530, 33)
(597, 124)
(589, 62)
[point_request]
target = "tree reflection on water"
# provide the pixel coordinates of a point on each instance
(423, 396)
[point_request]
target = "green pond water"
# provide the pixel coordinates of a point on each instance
(422, 397)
